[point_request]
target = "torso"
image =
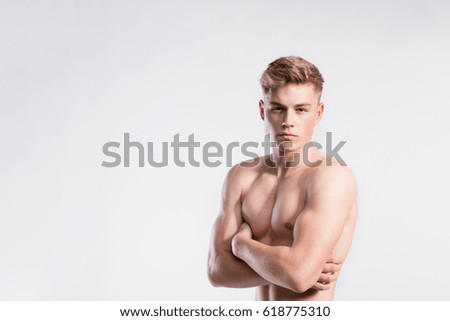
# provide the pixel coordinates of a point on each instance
(271, 205)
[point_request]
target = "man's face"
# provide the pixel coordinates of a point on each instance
(290, 114)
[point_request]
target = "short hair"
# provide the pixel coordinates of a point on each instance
(290, 70)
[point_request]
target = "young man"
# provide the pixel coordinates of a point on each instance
(287, 219)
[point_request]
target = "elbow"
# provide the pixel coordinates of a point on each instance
(301, 281)
(214, 273)
(299, 285)
(213, 277)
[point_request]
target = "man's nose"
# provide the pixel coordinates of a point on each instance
(288, 120)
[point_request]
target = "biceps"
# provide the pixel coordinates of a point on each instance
(226, 226)
(316, 234)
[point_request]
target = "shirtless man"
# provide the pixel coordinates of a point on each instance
(287, 219)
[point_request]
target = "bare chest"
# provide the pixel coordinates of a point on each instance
(271, 208)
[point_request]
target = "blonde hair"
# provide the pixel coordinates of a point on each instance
(291, 69)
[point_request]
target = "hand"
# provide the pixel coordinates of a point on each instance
(329, 274)
(244, 232)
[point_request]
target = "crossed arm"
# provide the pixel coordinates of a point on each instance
(236, 260)
(224, 268)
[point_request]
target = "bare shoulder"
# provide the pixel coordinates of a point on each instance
(243, 174)
(333, 180)
(248, 170)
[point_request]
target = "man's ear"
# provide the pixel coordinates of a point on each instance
(319, 113)
(261, 109)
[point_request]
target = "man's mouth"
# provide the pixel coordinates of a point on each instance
(287, 135)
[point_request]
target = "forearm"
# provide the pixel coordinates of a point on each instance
(276, 264)
(227, 270)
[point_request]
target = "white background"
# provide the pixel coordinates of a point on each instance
(77, 74)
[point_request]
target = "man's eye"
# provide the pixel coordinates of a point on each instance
(301, 109)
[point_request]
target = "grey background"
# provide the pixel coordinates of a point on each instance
(77, 74)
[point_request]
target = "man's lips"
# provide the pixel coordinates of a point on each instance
(286, 135)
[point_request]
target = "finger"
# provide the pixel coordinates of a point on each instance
(334, 259)
(331, 268)
(243, 226)
(327, 278)
(321, 287)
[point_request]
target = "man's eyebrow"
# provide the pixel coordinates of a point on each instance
(297, 105)
(276, 103)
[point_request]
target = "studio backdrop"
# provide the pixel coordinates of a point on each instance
(77, 223)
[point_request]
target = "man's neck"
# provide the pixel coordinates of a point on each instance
(287, 163)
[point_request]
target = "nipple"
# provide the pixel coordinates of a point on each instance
(289, 226)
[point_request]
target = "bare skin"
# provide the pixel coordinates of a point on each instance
(285, 227)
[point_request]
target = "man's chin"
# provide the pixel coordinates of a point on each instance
(289, 152)
(289, 147)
